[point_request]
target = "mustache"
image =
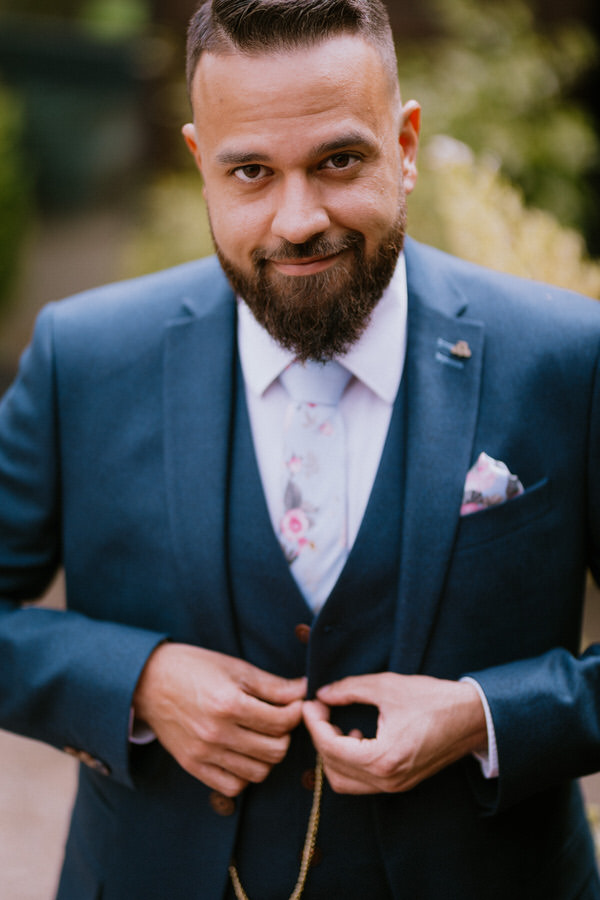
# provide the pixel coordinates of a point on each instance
(317, 246)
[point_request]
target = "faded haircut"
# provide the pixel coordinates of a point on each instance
(261, 26)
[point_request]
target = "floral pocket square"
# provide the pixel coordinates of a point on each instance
(489, 482)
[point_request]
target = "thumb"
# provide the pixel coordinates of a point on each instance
(314, 711)
(272, 688)
(316, 719)
(355, 689)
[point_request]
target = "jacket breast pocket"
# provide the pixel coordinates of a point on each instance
(504, 519)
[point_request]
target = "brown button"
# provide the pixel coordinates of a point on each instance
(222, 805)
(316, 858)
(308, 779)
(87, 759)
(302, 632)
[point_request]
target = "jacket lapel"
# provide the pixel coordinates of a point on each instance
(442, 401)
(199, 370)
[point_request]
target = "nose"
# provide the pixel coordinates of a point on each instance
(300, 214)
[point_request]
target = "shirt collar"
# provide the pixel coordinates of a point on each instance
(377, 358)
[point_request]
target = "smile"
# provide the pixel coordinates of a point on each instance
(307, 266)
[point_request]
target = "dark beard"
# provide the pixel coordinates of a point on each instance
(322, 315)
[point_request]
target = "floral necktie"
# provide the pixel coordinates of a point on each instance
(313, 525)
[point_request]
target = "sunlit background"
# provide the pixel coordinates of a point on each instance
(95, 185)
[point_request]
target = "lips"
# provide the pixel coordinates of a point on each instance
(304, 266)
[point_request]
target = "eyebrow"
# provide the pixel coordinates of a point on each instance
(235, 158)
(350, 139)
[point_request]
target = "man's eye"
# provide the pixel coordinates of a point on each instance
(251, 173)
(340, 161)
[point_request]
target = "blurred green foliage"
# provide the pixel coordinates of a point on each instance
(105, 18)
(14, 190)
(468, 208)
(493, 80)
(114, 18)
(172, 226)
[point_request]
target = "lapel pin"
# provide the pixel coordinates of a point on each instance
(461, 350)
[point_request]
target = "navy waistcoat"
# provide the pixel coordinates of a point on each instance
(350, 636)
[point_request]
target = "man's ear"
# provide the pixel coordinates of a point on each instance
(409, 142)
(189, 135)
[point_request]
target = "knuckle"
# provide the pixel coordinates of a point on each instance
(208, 731)
(222, 704)
(385, 768)
(225, 703)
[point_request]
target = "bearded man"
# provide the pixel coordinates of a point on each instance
(319, 643)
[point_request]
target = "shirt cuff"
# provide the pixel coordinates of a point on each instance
(488, 761)
(139, 732)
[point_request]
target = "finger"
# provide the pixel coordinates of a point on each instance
(316, 719)
(272, 688)
(317, 711)
(244, 768)
(264, 718)
(237, 731)
(225, 770)
(348, 752)
(355, 689)
(266, 749)
(344, 784)
(218, 779)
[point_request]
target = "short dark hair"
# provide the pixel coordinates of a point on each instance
(259, 26)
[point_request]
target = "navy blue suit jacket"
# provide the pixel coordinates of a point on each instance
(113, 463)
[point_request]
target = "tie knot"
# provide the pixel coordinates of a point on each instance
(313, 382)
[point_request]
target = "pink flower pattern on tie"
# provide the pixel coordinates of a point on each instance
(297, 519)
(299, 515)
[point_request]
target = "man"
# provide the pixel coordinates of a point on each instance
(206, 678)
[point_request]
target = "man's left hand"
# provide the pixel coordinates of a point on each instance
(424, 724)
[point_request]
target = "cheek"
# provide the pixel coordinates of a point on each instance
(238, 228)
(372, 208)
(375, 217)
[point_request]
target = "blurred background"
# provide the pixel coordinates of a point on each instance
(96, 185)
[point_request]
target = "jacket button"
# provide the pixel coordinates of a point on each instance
(222, 805)
(302, 632)
(87, 759)
(308, 779)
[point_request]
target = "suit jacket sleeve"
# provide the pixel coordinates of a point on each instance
(65, 678)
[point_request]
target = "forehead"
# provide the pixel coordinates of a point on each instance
(302, 93)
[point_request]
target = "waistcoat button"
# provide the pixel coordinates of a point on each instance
(308, 779)
(316, 859)
(302, 632)
(222, 805)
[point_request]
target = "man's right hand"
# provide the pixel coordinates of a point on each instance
(226, 722)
